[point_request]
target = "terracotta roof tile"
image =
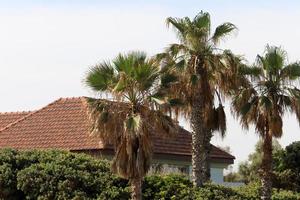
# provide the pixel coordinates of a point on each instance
(10, 117)
(63, 124)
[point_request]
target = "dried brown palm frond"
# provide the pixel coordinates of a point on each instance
(219, 120)
(130, 134)
(295, 106)
(133, 154)
(275, 125)
(107, 119)
(260, 125)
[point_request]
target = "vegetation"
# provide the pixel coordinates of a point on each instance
(128, 122)
(57, 175)
(200, 72)
(63, 175)
(286, 168)
(271, 93)
(248, 171)
(197, 75)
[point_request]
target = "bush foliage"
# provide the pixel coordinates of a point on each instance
(53, 174)
(57, 175)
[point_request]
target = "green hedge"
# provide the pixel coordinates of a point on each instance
(63, 175)
(178, 187)
(57, 175)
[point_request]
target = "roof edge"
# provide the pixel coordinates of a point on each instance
(29, 115)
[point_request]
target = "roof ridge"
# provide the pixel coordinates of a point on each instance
(72, 98)
(30, 114)
(17, 112)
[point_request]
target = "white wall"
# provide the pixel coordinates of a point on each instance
(216, 175)
(216, 172)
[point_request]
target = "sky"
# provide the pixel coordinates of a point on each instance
(47, 46)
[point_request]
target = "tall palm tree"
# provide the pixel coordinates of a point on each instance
(201, 72)
(272, 92)
(128, 122)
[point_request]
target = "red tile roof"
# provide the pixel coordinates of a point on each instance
(10, 117)
(64, 124)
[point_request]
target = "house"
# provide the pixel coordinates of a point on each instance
(64, 124)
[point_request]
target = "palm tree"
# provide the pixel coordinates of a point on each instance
(272, 93)
(127, 123)
(200, 71)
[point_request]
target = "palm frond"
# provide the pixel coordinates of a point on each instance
(146, 75)
(291, 71)
(219, 119)
(222, 31)
(179, 25)
(275, 125)
(129, 133)
(101, 77)
(121, 84)
(275, 57)
(106, 118)
(296, 106)
(202, 21)
(175, 49)
(167, 79)
(252, 71)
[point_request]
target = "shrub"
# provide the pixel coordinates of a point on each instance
(8, 178)
(53, 174)
(167, 187)
(57, 175)
(179, 187)
(250, 191)
(285, 195)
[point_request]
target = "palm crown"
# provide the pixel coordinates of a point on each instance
(132, 80)
(196, 65)
(272, 92)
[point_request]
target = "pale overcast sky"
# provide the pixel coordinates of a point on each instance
(47, 46)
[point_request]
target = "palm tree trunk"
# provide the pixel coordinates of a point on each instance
(136, 187)
(200, 143)
(266, 183)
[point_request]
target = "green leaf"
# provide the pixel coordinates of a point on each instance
(100, 77)
(104, 116)
(175, 102)
(246, 108)
(222, 31)
(167, 79)
(194, 79)
(133, 123)
(252, 71)
(202, 21)
(158, 100)
(291, 71)
(275, 58)
(266, 102)
(121, 83)
(180, 65)
(145, 75)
